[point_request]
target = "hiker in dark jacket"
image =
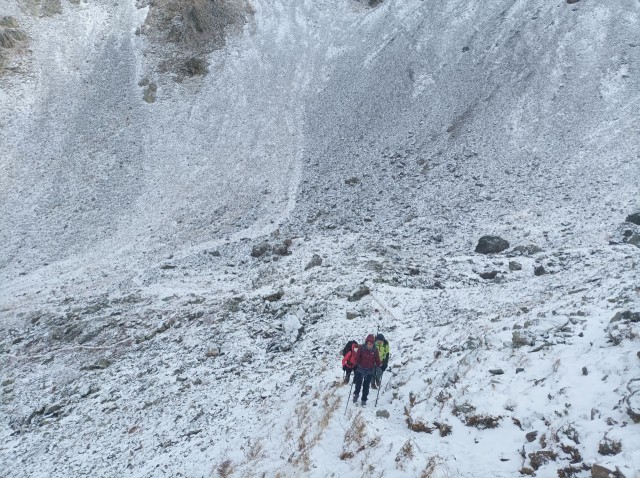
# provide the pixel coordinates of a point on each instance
(366, 359)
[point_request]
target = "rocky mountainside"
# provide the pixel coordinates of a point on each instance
(202, 201)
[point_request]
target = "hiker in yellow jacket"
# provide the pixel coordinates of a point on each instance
(383, 351)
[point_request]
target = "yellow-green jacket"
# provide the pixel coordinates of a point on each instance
(383, 352)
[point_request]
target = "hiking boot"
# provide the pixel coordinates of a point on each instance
(373, 385)
(346, 380)
(363, 403)
(355, 399)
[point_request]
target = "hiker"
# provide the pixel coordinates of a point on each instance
(383, 351)
(349, 356)
(366, 359)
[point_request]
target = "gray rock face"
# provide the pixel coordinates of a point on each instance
(260, 249)
(316, 261)
(489, 275)
(359, 294)
(491, 245)
(539, 270)
(352, 315)
(515, 266)
(634, 218)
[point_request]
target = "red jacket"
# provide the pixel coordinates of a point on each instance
(367, 358)
(350, 357)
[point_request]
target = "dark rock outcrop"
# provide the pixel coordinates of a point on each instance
(634, 218)
(491, 245)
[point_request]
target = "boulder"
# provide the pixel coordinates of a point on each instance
(382, 414)
(491, 245)
(274, 297)
(626, 316)
(634, 218)
(515, 266)
(359, 294)
(520, 339)
(283, 249)
(539, 270)
(316, 261)
(598, 471)
(352, 315)
(489, 275)
(260, 249)
(633, 405)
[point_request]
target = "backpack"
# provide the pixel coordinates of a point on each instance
(349, 347)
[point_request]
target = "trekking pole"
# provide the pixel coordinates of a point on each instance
(349, 396)
(378, 394)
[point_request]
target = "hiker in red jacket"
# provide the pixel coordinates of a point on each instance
(348, 359)
(366, 359)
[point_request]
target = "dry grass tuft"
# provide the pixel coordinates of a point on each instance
(482, 422)
(225, 469)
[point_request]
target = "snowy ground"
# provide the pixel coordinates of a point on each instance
(145, 332)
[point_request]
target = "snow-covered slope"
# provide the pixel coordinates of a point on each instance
(169, 172)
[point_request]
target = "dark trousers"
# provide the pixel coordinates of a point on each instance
(362, 380)
(348, 373)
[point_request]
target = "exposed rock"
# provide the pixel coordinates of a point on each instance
(496, 371)
(212, 352)
(531, 436)
(571, 2)
(167, 266)
(515, 266)
(382, 414)
(539, 270)
(633, 404)
(316, 261)
(260, 249)
(525, 470)
(275, 296)
(520, 339)
(149, 94)
(352, 315)
(598, 471)
(634, 240)
(195, 67)
(519, 369)
(585, 371)
(8, 22)
(352, 181)
(489, 275)
(529, 250)
(491, 245)
(626, 316)
(182, 33)
(53, 411)
(9, 38)
(99, 365)
(634, 218)
(283, 249)
(359, 294)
